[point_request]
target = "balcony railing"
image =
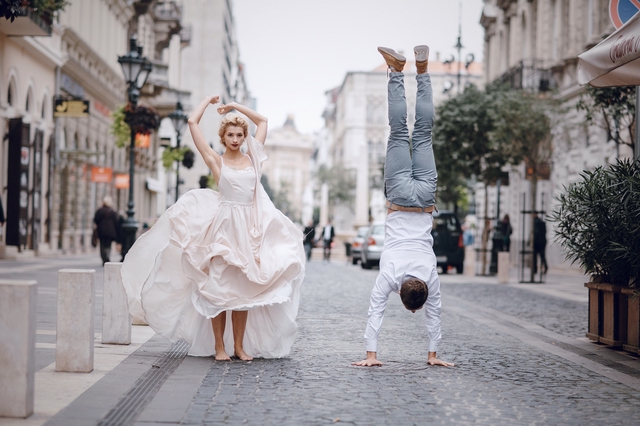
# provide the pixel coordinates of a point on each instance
(168, 11)
(504, 4)
(529, 75)
(28, 23)
(159, 74)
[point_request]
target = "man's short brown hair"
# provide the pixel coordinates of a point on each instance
(413, 293)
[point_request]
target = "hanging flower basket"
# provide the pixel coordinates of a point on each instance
(143, 120)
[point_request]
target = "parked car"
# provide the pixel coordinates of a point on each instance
(372, 245)
(448, 243)
(356, 244)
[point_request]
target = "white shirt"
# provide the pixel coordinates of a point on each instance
(327, 232)
(407, 252)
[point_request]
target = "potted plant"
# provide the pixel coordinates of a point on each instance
(598, 225)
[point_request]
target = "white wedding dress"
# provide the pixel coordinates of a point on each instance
(220, 251)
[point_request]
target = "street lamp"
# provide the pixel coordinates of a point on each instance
(179, 119)
(136, 69)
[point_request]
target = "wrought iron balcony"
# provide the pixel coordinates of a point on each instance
(529, 75)
(168, 11)
(27, 23)
(504, 4)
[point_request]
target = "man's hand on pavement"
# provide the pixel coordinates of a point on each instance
(371, 361)
(433, 360)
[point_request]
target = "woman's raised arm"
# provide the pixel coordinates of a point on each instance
(210, 157)
(259, 120)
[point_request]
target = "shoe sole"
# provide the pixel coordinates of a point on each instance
(395, 56)
(421, 52)
(392, 53)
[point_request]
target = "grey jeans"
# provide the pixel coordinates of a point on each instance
(410, 180)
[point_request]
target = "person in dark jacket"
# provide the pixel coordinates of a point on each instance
(539, 244)
(507, 230)
(309, 237)
(328, 233)
(106, 223)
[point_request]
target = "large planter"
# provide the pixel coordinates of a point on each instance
(633, 322)
(607, 314)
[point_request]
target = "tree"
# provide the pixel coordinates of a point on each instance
(465, 147)
(613, 109)
(478, 133)
(341, 182)
(524, 120)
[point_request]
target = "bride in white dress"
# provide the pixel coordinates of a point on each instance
(221, 270)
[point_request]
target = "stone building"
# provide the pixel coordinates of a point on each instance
(75, 57)
(210, 66)
(288, 169)
(533, 45)
(356, 131)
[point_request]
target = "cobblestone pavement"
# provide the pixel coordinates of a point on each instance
(521, 358)
(561, 316)
(498, 378)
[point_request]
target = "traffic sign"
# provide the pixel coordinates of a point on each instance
(621, 11)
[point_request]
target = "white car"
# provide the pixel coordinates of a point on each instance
(372, 246)
(356, 244)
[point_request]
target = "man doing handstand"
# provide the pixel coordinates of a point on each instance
(408, 263)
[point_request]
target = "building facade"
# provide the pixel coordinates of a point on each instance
(357, 127)
(76, 58)
(211, 66)
(533, 45)
(288, 169)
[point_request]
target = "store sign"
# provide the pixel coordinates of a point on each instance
(101, 174)
(620, 11)
(122, 181)
(74, 108)
(143, 141)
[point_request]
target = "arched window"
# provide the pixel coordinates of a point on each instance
(43, 112)
(28, 104)
(10, 95)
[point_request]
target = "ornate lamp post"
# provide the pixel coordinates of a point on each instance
(179, 119)
(136, 69)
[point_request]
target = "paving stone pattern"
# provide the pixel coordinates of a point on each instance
(497, 380)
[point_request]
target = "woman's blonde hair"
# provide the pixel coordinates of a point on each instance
(232, 120)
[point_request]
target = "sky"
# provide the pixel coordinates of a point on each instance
(296, 50)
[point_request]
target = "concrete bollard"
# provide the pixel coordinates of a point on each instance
(469, 261)
(116, 320)
(503, 267)
(75, 328)
(138, 321)
(18, 308)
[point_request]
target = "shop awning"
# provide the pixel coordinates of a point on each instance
(616, 60)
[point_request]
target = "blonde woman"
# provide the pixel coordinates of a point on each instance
(221, 270)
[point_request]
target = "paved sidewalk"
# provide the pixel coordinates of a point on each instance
(520, 354)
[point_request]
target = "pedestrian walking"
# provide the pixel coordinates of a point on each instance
(309, 237)
(106, 227)
(221, 270)
(539, 244)
(328, 233)
(407, 262)
(507, 230)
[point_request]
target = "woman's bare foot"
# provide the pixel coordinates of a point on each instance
(222, 356)
(242, 355)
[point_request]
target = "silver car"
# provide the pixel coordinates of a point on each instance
(372, 246)
(356, 244)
